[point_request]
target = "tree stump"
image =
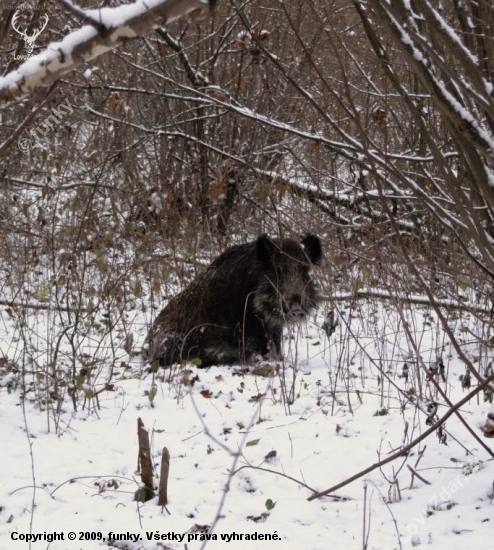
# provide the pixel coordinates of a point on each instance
(146, 492)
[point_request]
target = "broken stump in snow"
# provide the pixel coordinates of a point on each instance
(165, 470)
(146, 492)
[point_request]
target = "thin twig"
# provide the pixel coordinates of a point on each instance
(390, 512)
(414, 473)
(285, 476)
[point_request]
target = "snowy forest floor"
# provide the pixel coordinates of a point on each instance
(248, 450)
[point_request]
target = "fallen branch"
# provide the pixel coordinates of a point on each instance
(404, 450)
(416, 299)
(39, 307)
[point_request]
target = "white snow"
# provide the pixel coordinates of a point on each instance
(82, 477)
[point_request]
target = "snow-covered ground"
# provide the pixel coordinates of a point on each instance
(248, 450)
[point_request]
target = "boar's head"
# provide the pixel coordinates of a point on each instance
(286, 293)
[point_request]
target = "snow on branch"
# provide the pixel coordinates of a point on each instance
(109, 28)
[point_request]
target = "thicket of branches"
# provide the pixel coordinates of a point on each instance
(369, 123)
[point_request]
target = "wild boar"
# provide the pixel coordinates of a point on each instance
(234, 312)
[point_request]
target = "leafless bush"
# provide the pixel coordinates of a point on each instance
(312, 116)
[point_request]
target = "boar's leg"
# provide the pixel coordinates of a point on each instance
(262, 339)
(214, 345)
(208, 345)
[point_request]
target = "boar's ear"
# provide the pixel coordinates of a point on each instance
(264, 248)
(313, 248)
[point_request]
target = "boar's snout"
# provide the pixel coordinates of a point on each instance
(295, 313)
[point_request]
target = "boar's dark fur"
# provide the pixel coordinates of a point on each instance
(236, 309)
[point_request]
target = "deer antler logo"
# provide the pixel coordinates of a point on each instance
(29, 40)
